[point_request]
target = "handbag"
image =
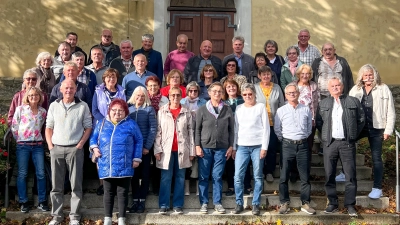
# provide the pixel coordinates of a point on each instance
(94, 158)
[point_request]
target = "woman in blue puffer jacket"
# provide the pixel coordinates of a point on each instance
(117, 144)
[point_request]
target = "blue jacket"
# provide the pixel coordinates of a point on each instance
(146, 119)
(101, 101)
(92, 80)
(154, 62)
(120, 145)
(200, 102)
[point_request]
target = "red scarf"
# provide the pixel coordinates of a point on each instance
(155, 101)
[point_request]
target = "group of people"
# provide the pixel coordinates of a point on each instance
(210, 113)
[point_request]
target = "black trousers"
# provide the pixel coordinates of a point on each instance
(139, 191)
(116, 187)
(347, 154)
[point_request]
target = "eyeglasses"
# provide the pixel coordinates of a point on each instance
(209, 70)
(195, 91)
(117, 110)
(31, 79)
(152, 86)
(247, 94)
(175, 77)
(107, 36)
(303, 36)
(175, 95)
(231, 65)
(292, 53)
(33, 95)
(291, 93)
(216, 92)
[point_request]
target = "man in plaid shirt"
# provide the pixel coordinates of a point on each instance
(308, 52)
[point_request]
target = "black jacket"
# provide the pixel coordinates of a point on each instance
(111, 54)
(353, 118)
(347, 75)
(192, 67)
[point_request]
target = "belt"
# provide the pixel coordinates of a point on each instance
(338, 139)
(296, 142)
(30, 143)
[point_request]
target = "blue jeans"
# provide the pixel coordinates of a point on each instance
(243, 156)
(24, 153)
(375, 139)
(166, 180)
(213, 162)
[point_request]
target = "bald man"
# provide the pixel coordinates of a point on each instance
(110, 50)
(178, 58)
(196, 63)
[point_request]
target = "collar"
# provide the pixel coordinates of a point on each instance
(240, 56)
(76, 100)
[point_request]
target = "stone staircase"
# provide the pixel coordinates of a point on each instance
(92, 205)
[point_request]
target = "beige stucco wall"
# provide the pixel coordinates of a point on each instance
(363, 32)
(28, 27)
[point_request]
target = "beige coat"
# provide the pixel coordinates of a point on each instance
(384, 115)
(165, 136)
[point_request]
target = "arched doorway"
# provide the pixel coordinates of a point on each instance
(203, 20)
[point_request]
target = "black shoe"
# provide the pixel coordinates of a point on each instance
(331, 209)
(156, 192)
(140, 207)
(247, 191)
(100, 190)
(163, 211)
(134, 207)
(293, 177)
(178, 210)
(238, 209)
(24, 207)
(352, 211)
(321, 152)
(43, 206)
(229, 192)
(256, 210)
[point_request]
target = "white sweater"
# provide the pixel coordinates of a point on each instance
(251, 126)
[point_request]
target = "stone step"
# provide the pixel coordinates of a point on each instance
(362, 186)
(317, 160)
(190, 217)
(363, 172)
(192, 201)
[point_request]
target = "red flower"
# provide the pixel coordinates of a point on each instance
(1, 150)
(2, 121)
(5, 153)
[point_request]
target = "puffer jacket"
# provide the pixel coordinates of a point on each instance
(146, 119)
(353, 118)
(119, 145)
(165, 137)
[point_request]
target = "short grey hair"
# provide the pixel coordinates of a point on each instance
(293, 47)
(305, 30)
(43, 55)
(336, 78)
(192, 84)
(126, 41)
(292, 85)
(146, 102)
(248, 86)
(30, 71)
(97, 48)
(238, 38)
(182, 35)
(148, 36)
(327, 43)
(78, 55)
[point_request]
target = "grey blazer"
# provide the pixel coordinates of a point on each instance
(276, 98)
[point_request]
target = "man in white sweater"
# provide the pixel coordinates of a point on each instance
(68, 126)
(292, 125)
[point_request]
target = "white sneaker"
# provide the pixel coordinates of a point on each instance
(341, 177)
(375, 193)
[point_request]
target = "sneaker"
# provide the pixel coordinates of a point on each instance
(229, 192)
(204, 209)
(307, 209)
(341, 177)
(140, 207)
(24, 207)
(74, 222)
(43, 206)
(321, 152)
(238, 209)
(100, 190)
(256, 210)
(54, 222)
(269, 178)
(220, 209)
(284, 208)
(134, 207)
(163, 211)
(375, 193)
(331, 209)
(178, 210)
(352, 211)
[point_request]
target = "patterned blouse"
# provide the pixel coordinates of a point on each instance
(28, 127)
(306, 97)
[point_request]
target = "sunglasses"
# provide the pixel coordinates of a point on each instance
(231, 65)
(195, 91)
(175, 95)
(248, 94)
(209, 70)
(31, 79)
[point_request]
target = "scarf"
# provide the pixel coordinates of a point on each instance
(210, 108)
(292, 66)
(155, 101)
(192, 104)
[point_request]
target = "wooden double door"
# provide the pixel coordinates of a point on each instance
(218, 27)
